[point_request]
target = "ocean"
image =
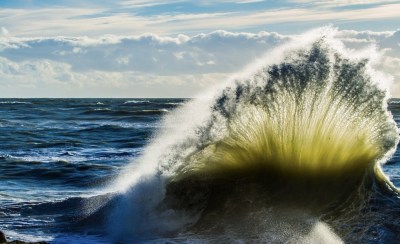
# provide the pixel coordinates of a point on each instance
(55, 152)
(300, 151)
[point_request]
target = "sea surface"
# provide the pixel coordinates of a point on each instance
(56, 152)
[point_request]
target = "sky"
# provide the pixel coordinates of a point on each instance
(177, 48)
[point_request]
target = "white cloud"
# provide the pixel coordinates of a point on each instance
(126, 21)
(124, 66)
(147, 3)
(340, 3)
(126, 62)
(248, 1)
(150, 65)
(218, 51)
(4, 31)
(43, 78)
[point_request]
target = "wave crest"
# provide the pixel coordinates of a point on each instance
(307, 133)
(316, 113)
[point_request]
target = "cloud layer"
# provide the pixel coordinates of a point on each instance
(126, 17)
(150, 65)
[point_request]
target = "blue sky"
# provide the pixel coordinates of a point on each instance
(94, 18)
(177, 48)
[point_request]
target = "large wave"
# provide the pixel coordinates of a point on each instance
(289, 150)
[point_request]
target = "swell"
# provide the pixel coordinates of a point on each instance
(293, 149)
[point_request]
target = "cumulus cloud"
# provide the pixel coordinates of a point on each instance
(4, 31)
(145, 65)
(386, 42)
(218, 51)
(150, 65)
(45, 78)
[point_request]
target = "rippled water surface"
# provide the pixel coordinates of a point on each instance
(57, 149)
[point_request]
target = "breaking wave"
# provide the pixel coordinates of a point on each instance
(289, 151)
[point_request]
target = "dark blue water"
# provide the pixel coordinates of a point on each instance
(392, 167)
(56, 152)
(57, 149)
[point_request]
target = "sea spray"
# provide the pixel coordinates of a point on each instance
(296, 140)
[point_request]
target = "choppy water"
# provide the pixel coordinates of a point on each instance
(57, 149)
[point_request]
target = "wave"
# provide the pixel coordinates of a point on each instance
(124, 112)
(115, 124)
(65, 157)
(171, 103)
(136, 101)
(291, 148)
(102, 109)
(12, 235)
(14, 102)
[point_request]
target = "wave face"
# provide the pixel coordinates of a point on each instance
(316, 113)
(291, 150)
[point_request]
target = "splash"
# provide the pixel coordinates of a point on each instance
(307, 127)
(317, 113)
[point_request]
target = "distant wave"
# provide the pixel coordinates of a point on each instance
(96, 124)
(153, 110)
(394, 102)
(175, 103)
(136, 101)
(14, 102)
(102, 109)
(124, 112)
